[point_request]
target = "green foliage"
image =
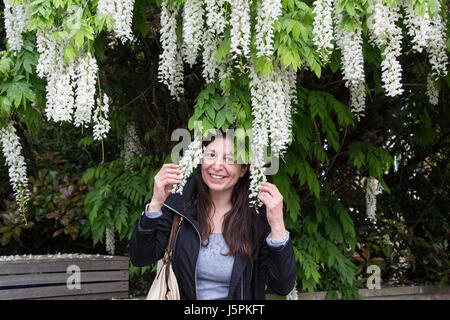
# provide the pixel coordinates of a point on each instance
(117, 198)
(59, 198)
(11, 223)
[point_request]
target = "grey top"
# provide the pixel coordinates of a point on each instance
(213, 267)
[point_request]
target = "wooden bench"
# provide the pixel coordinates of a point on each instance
(63, 276)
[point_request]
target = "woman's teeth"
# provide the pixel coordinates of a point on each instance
(216, 177)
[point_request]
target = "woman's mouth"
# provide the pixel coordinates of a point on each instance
(217, 177)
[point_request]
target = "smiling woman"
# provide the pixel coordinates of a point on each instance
(223, 249)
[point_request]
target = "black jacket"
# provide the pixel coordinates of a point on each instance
(273, 266)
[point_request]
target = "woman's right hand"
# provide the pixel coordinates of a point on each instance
(162, 184)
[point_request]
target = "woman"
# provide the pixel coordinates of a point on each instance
(223, 249)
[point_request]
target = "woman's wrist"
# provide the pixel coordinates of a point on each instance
(278, 232)
(153, 207)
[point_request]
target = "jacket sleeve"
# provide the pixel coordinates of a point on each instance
(150, 237)
(278, 264)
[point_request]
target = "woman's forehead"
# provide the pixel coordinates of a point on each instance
(221, 145)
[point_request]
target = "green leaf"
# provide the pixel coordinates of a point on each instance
(70, 52)
(223, 49)
(220, 118)
(210, 112)
(333, 230)
(5, 65)
(79, 39)
(350, 8)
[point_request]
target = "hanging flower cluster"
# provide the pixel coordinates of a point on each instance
(271, 98)
(268, 13)
(16, 163)
(437, 45)
(240, 28)
(170, 70)
(191, 158)
(323, 28)
(372, 191)
(192, 30)
(110, 244)
(131, 144)
(418, 27)
(100, 118)
(71, 88)
(432, 91)
(59, 75)
(428, 33)
(385, 34)
(17, 19)
(85, 76)
(213, 33)
(350, 44)
(121, 12)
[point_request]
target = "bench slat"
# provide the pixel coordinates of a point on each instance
(30, 266)
(60, 291)
(52, 278)
(94, 296)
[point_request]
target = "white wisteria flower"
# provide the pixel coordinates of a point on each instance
(59, 93)
(428, 33)
(350, 44)
(132, 146)
(372, 190)
(191, 158)
(192, 29)
(110, 244)
(271, 98)
(215, 16)
(51, 65)
(16, 165)
(240, 28)
(17, 19)
(210, 64)
(86, 78)
(268, 13)
(121, 12)
(213, 33)
(432, 91)
(418, 27)
(323, 28)
(385, 34)
(100, 118)
(170, 69)
(437, 45)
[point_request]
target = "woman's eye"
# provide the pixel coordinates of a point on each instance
(230, 159)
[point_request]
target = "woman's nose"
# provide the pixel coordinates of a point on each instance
(218, 163)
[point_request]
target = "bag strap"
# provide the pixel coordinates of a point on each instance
(173, 232)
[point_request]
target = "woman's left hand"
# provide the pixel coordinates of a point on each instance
(273, 200)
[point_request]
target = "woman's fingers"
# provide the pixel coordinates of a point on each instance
(270, 188)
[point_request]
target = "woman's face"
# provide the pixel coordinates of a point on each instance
(218, 169)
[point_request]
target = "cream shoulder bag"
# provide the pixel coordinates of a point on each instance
(165, 285)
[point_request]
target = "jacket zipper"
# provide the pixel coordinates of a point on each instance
(200, 245)
(242, 287)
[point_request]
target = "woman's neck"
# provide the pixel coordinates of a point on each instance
(222, 201)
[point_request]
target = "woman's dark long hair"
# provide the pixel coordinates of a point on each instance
(239, 224)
